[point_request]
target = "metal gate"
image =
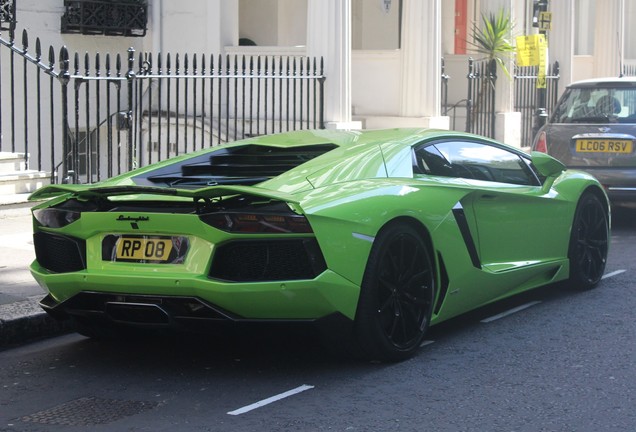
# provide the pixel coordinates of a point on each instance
(87, 118)
(527, 100)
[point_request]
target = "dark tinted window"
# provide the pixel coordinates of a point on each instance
(596, 105)
(472, 160)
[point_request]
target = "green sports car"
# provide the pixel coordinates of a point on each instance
(386, 231)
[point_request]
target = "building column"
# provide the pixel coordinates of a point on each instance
(329, 36)
(421, 63)
(507, 120)
(561, 39)
(608, 37)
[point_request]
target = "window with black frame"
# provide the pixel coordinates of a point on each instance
(474, 161)
(103, 17)
(7, 14)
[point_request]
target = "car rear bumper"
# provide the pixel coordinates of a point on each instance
(163, 298)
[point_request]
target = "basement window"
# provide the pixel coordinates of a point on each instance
(7, 14)
(102, 17)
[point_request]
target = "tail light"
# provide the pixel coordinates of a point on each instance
(542, 143)
(257, 223)
(55, 217)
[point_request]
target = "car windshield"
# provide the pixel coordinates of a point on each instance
(596, 105)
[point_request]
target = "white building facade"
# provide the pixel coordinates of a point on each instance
(383, 58)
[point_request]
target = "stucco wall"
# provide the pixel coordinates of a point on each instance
(375, 78)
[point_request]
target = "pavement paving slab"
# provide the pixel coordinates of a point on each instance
(21, 317)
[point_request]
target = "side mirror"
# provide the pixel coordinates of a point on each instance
(546, 164)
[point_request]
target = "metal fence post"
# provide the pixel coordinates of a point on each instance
(65, 78)
(130, 77)
(469, 98)
(493, 81)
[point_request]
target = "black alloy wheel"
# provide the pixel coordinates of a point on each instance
(588, 243)
(397, 294)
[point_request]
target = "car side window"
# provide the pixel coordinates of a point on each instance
(473, 160)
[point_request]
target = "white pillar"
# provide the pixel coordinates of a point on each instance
(507, 121)
(561, 39)
(421, 62)
(329, 36)
(608, 37)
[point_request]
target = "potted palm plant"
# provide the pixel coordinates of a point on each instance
(491, 41)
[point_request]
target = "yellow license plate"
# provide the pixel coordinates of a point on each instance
(143, 248)
(590, 145)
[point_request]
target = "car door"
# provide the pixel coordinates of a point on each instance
(513, 220)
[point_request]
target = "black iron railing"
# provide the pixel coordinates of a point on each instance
(444, 89)
(529, 101)
(480, 102)
(87, 118)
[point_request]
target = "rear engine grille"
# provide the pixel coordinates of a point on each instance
(59, 254)
(267, 260)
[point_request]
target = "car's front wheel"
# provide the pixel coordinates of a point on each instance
(588, 243)
(396, 297)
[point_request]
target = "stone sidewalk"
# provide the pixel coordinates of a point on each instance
(21, 318)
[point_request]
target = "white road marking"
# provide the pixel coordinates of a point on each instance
(527, 305)
(269, 400)
(426, 342)
(510, 312)
(614, 273)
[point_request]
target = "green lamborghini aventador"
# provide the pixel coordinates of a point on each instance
(390, 231)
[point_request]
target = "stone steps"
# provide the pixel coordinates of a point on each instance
(16, 180)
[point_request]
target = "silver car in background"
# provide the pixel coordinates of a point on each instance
(593, 128)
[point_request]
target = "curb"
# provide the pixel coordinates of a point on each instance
(25, 321)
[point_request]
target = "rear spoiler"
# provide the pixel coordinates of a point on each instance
(92, 191)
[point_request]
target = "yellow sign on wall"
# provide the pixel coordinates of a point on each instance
(529, 49)
(545, 21)
(533, 51)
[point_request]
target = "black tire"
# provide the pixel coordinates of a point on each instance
(589, 242)
(396, 296)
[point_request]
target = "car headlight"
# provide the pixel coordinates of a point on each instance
(55, 217)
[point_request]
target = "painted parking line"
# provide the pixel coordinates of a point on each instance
(510, 312)
(426, 342)
(614, 273)
(527, 305)
(270, 400)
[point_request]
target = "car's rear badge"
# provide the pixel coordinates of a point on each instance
(133, 220)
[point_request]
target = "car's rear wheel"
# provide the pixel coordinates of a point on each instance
(396, 297)
(588, 243)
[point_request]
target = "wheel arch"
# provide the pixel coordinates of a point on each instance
(600, 194)
(588, 246)
(368, 329)
(415, 224)
(441, 278)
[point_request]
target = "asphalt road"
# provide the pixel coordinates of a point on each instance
(551, 360)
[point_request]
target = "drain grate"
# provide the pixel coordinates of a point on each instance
(88, 411)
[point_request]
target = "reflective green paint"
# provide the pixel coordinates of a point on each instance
(348, 195)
